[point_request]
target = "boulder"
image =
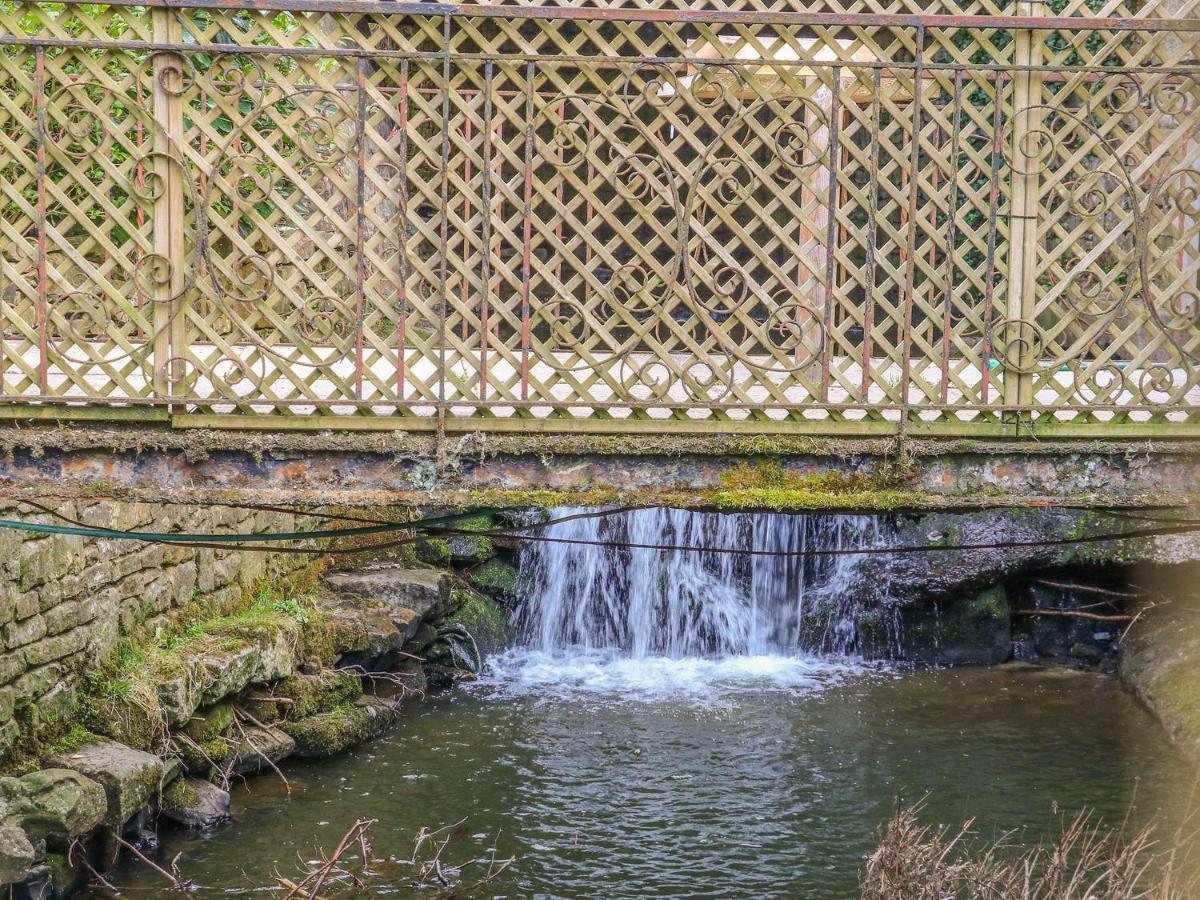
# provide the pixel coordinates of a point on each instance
(375, 613)
(194, 803)
(327, 734)
(130, 778)
(420, 591)
(54, 805)
(471, 548)
(179, 696)
(16, 854)
(484, 619)
(229, 670)
(277, 657)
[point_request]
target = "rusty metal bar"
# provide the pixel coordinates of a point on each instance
(998, 70)
(485, 325)
(703, 157)
(683, 16)
(444, 232)
(872, 238)
(910, 254)
(360, 220)
(951, 238)
(993, 217)
(527, 230)
(43, 275)
(402, 317)
(835, 115)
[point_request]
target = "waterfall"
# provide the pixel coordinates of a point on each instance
(645, 602)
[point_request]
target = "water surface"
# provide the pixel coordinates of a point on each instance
(745, 777)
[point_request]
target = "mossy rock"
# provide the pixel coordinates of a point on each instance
(486, 620)
(433, 551)
(969, 631)
(308, 695)
(199, 758)
(472, 548)
(496, 578)
(136, 722)
(180, 794)
(329, 733)
(209, 722)
(196, 804)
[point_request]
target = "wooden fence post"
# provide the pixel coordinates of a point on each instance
(1028, 151)
(166, 278)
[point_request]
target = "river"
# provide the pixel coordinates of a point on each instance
(695, 725)
(760, 778)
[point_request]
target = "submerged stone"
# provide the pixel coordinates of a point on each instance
(195, 803)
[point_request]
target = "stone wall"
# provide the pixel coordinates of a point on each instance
(1160, 660)
(65, 601)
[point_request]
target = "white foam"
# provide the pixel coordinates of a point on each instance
(578, 671)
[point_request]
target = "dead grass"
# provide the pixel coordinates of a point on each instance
(1086, 860)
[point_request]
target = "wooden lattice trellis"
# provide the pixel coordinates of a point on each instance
(863, 218)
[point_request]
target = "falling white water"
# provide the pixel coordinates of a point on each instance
(645, 603)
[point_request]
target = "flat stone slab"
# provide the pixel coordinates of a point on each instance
(420, 591)
(252, 745)
(376, 612)
(53, 805)
(328, 734)
(129, 777)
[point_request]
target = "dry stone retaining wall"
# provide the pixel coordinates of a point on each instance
(66, 600)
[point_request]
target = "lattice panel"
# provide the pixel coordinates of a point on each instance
(77, 265)
(858, 223)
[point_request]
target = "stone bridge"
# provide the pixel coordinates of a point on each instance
(322, 249)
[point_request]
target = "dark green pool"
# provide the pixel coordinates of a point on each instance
(754, 778)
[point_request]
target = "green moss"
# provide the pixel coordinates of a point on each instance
(433, 551)
(545, 499)
(495, 578)
(329, 733)
(308, 695)
(180, 794)
(200, 756)
(29, 757)
(780, 499)
(765, 485)
(209, 722)
(484, 618)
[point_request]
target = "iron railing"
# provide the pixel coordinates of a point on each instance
(977, 220)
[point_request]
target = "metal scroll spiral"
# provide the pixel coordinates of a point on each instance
(1115, 186)
(318, 331)
(790, 335)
